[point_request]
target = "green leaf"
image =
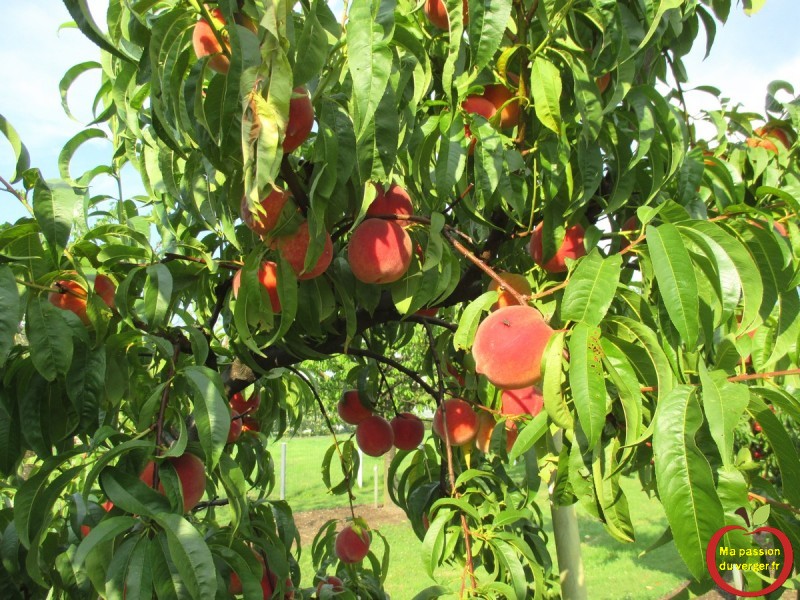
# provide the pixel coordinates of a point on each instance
(610, 496)
(782, 445)
(546, 88)
(487, 26)
(79, 10)
(591, 288)
(105, 531)
(69, 77)
(20, 151)
(555, 405)
(586, 380)
(470, 319)
(9, 312)
(685, 478)
(191, 555)
(312, 47)
(530, 434)
(85, 383)
(49, 337)
(369, 57)
(723, 403)
(676, 280)
(54, 206)
(157, 295)
(211, 412)
(71, 146)
(131, 494)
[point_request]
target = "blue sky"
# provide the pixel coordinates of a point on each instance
(749, 53)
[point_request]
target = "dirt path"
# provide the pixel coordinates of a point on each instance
(309, 522)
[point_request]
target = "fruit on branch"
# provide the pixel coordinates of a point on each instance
(294, 248)
(436, 13)
(268, 278)
(516, 282)
(379, 251)
(509, 345)
(765, 137)
(301, 120)
(394, 201)
(74, 296)
(351, 409)
(264, 221)
(374, 435)
(409, 431)
(427, 312)
(456, 374)
(86, 529)
(352, 543)
(603, 81)
(191, 474)
(235, 585)
(462, 421)
(250, 424)
(571, 247)
(205, 43)
(486, 425)
(241, 405)
(331, 584)
(235, 429)
(476, 105)
(503, 100)
(525, 401)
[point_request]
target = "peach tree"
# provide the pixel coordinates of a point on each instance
(432, 204)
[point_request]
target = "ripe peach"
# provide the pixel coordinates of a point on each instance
(250, 424)
(191, 474)
(508, 346)
(268, 277)
(456, 373)
(264, 222)
(498, 95)
(486, 425)
(436, 12)
(352, 544)
(571, 247)
(74, 296)
(351, 409)
(235, 429)
(462, 422)
(85, 529)
(294, 248)
(476, 105)
(409, 431)
(603, 81)
(394, 201)
(515, 281)
(301, 120)
(379, 251)
(525, 401)
(206, 44)
(427, 312)
(235, 586)
(242, 406)
(331, 583)
(374, 436)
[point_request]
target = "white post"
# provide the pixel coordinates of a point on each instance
(360, 478)
(375, 483)
(283, 471)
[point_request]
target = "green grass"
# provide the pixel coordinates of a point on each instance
(613, 569)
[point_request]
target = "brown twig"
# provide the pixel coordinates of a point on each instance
(392, 363)
(176, 351)
(293, 181)
(16, 194)
(770, 501)
(736, 378)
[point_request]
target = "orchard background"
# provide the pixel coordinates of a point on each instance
(663, 334)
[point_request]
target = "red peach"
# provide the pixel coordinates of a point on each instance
(476, 105)
(265, 220)
(268, 277)
(351, 409)
(409, 431)
(301, 120)
(191, 474)
(603, 81)
(462, 422)
(242, 406)
(106, 289)
(73, 298)
(571, 247)
(374, 435)
(436, 13)
(331, 584)
(235, 429)
(294, 248)
(205, 43)
(515, 281)
(394, 201)
(501, 97)
(509, 345)
(379, 251)
(525, 401)
(352, 544)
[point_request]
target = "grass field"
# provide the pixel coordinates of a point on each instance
(613, 569)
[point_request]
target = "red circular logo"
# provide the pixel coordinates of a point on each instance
(786, 570)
